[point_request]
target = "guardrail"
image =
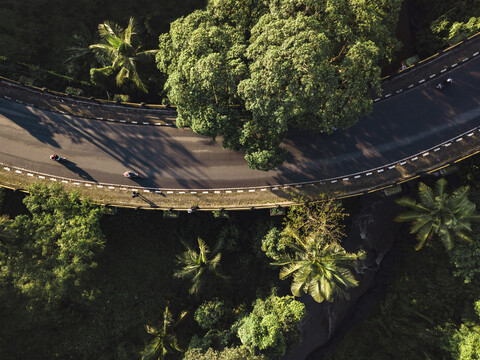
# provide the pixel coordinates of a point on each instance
(430, 58)
(143, 105)
(369, 174)
(423, 62)
(90, 99)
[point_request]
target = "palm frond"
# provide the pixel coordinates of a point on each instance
(121, 76)
(422, 236)
(427, 196)
(407, 202)
(446, 238)
(129, 31)
(440, 187)
(289, 270)
(420, 222)
(407, 216)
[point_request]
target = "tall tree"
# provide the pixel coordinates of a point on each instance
(464, 343)
(164, 341)
(272, 326)
(437, 213)
(324, 216)
(253, 70)
(118, 53)
(50, 253)
(318, 268)
(196, 265)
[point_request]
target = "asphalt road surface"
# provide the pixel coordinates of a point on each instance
(178, 159)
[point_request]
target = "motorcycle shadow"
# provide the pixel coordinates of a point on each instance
(70, 165)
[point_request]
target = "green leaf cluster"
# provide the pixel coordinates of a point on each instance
(466, 257)
(446, 23)
(251, 70)
(119, 54)
(308, 249)
(210, 314)
(417, 316)
(437, 213)
(465, 341)
(51, 252)
(229, 353)
(272, 326)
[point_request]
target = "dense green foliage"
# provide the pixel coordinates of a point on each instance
(437, 213)
(132, 285)
(308, 248)
(466, 257)
(421, 309)
(252, 70)
(118, 53)
(35, 37)
(432, 303)
(210, 314)
(272, 327)
(465, 342)
(446, 23)
(50, 252)
(236, 353)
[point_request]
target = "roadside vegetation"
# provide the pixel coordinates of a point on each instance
(138, 285)
(248, 70)
(219, 285)
(78, 281)
(433, 302)
(444, 24)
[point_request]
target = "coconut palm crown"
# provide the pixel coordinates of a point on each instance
(117, 53)
(164, 341)
(195, 265)
(318, 268)
(437, 213)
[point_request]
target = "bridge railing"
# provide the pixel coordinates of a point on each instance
(142, 105)
(430, 58)
(378, 178)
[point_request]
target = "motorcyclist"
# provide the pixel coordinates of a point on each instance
(130, 174)
(55, 157)
(444, 83)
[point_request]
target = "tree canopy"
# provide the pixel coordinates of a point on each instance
(196, 265)
(318, 268)
(253, 70)
(448, 216)
(49, 253)
(272, 326)
(118, 53)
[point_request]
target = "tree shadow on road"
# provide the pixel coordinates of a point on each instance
(151, 151)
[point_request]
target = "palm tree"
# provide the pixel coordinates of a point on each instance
(164, 342)
(79, 56)
(196, 264)
(118, 54)
(318, 268)
(438, 213)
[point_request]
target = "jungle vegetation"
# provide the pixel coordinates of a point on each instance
(248, 70)
(138, 285)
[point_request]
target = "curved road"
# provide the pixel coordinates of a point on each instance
(178, 159)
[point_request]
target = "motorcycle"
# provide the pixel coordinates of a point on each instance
(444, 83)
(131, 175)
(55, 157)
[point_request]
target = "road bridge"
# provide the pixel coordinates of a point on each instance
(418, 130)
